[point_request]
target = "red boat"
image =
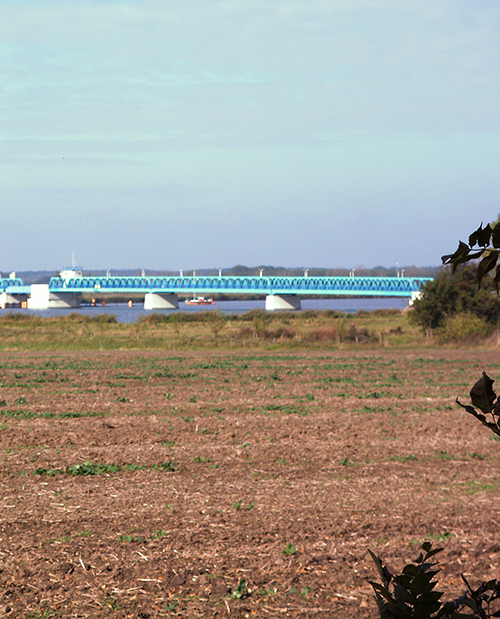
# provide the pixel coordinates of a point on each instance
(199, 301)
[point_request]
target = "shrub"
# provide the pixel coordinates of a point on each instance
(325, 334)
(465, 327)
(447, 296)
(280, 333)
(171, 317)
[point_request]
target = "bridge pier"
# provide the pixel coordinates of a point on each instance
(161, 300)
(42, 298)
(12, 300)
(416, 294)
(282, 302)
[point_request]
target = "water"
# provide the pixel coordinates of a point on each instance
(127, 314)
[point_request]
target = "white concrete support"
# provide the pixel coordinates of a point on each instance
(42, 298)
(12, 300)
(282, 302)
(415, 295)
(161, 300)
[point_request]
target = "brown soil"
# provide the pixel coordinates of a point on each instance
(287, 468)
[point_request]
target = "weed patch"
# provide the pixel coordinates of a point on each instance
(89, 468)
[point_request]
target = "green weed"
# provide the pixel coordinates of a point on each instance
(241, 590)
(408, 458)
(476, 456)
(440, 537)
(112, 602)
(479, 486)
(442, 455)
(202, 460)
(131, 538)
(44, 613)
(89, 468)
(289, 550)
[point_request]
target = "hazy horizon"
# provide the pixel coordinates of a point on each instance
(33, 273)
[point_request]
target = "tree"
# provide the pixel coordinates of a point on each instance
(449, 295)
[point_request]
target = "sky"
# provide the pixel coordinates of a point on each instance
(203, 134)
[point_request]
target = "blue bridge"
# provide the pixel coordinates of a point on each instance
(161, 292)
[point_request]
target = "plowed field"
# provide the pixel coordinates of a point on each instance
(237, 485)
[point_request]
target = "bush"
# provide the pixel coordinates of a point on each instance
(325, 334)
(171, 317)
(465, 327)
(449, 295)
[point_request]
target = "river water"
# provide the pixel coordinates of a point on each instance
(127, 314)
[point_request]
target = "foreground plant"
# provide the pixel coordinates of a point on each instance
(483, 245)
(412, 595)
(483, 397)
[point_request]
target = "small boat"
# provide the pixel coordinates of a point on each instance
(199, 301)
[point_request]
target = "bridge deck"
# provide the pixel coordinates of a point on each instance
(334, 286)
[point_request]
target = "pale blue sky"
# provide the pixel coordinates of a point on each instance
(206, 133)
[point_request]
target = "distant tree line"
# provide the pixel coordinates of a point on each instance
(378, 271)
(43, 277)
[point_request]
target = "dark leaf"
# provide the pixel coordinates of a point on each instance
(482, 394)
(381, 591)
(486, 586)
(495, 237)
(472, 256)
(433, 552)
(472, 411)
(385, 575)
(486, 265)
(461, 254)
(481, 236)
(493, 426)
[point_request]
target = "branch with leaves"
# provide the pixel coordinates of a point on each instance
(412, 594)
(483, 397)
(484, 245)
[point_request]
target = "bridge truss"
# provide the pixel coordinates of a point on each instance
(306, 286)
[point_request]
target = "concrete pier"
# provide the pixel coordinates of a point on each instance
(160, 300)
(42, 298)
(12, 300)
(282, 302)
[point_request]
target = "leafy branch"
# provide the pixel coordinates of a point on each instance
(412, 595)
(483, 397)
(483, 245)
